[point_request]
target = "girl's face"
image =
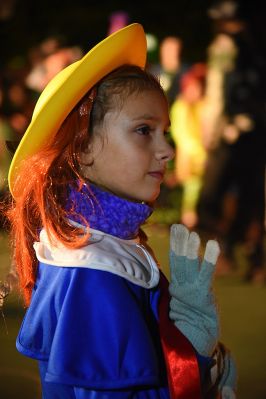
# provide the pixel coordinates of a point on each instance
(129, 153)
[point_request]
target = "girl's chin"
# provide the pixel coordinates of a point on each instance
(150, 201)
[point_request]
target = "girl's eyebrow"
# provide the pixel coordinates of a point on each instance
(145, 116)
(148, 117)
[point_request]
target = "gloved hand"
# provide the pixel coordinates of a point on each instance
(223, 375)
(192, 304)
(228, 379)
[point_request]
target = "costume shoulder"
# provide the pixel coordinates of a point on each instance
(126, 258)
(92, 328)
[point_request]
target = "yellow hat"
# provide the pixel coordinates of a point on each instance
(63, 92)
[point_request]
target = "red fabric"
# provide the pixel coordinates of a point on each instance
(180, 358)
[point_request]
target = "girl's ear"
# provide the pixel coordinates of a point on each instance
(87, 157)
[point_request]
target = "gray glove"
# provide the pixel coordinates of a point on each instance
(223, 373)
(228, 381)
(192, 304)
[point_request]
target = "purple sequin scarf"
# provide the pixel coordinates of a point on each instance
(107, 212)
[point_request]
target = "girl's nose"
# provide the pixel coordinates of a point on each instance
(165, 152)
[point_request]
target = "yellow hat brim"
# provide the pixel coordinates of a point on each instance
(63, 92)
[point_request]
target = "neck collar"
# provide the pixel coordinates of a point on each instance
(106, 212)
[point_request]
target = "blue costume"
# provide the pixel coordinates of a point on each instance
(93, 319)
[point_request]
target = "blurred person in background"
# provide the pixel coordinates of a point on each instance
(187, 133)
(232, 199)
(15, 112)
(55, 57)
(21, 84)
(117, 20)
(170, 67)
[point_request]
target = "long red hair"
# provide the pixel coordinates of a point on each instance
(42, 183)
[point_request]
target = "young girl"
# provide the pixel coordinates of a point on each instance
(83, 180)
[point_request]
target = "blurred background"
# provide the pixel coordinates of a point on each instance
(211, 60)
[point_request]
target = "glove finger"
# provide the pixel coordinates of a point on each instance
(178, 268)
(193, 245)
(211, 254)
(192, 263)
(212, 251)
(179, 239)
(228, 393)
(229, 377)
(206, 273)
(192, 270)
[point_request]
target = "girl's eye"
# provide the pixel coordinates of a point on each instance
(144, 130)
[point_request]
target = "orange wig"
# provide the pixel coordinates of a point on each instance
(42, 182)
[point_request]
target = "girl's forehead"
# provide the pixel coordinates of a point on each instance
(145, 97)
(147, 104)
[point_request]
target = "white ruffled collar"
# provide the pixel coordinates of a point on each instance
(126, 258)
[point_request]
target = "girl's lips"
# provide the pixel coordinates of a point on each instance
(157, 175)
